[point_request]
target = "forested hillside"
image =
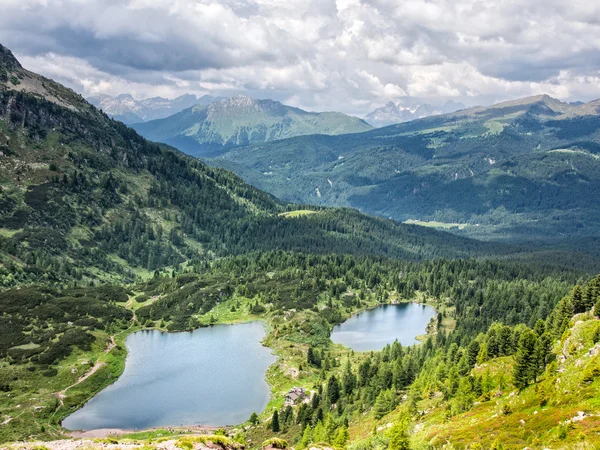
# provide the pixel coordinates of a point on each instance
(103, 233)
(48, 330)
(496, 331)
(85, 197)
(526, 169)
(517, 386)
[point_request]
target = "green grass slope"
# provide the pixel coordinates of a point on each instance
(561, 410)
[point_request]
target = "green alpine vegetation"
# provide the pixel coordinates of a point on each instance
(103, 233)
(494, 344)
(205, 130)
(526, 169)
(86, 198)
(49, 331)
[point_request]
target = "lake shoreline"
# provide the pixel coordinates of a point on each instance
(99, 433)
(276, 351)
(167, 361)
(374, 328)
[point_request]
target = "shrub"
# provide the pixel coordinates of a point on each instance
(51, 372)
(562, 432)
(223, 441)
(591, 374)
(185, 445)
(275, 443)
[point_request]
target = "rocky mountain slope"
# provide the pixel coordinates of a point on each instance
(129, 110)
(241, 120)
(527, 169)
(392, 113)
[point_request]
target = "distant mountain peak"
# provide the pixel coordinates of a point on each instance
(242, 104)
(405, 111)
(127, 109)
(204, 130)
(541, 98)
(541, 104)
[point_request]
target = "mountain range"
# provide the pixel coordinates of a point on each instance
(393, 113)
(88, 198)
(129, 110)
(203, 130)
(528, 168)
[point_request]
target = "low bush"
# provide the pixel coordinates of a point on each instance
(275, 443)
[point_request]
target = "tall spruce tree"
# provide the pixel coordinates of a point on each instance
(349, 379)
(333, 389)
(275, 422)
(577, 300)
(526, 363)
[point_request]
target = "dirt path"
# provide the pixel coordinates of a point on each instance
(111, 345)
(99, 364)
(62, 394)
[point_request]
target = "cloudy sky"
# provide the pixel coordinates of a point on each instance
(347, 55)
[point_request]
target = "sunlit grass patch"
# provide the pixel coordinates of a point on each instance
(297, 213)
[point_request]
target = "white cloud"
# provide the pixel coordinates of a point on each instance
(348, 55)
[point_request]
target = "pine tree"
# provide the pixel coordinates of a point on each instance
(333, 389)
(306, 438)
(526, 364)
(577, 300)
(543, 352)
(540, 327)
(275, 422)
(320, 433)
(398, 437)
(289, 415)
(349, 380)
(253, 418)
(464, 395)
(483, 354)
(385, 402)
(472, 352)
(313, 358)
(592, 293)
(341, 437)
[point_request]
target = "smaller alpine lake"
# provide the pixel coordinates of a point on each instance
(209, 376)
(382, 325)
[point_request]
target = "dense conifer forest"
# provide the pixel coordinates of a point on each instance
(103, 233)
